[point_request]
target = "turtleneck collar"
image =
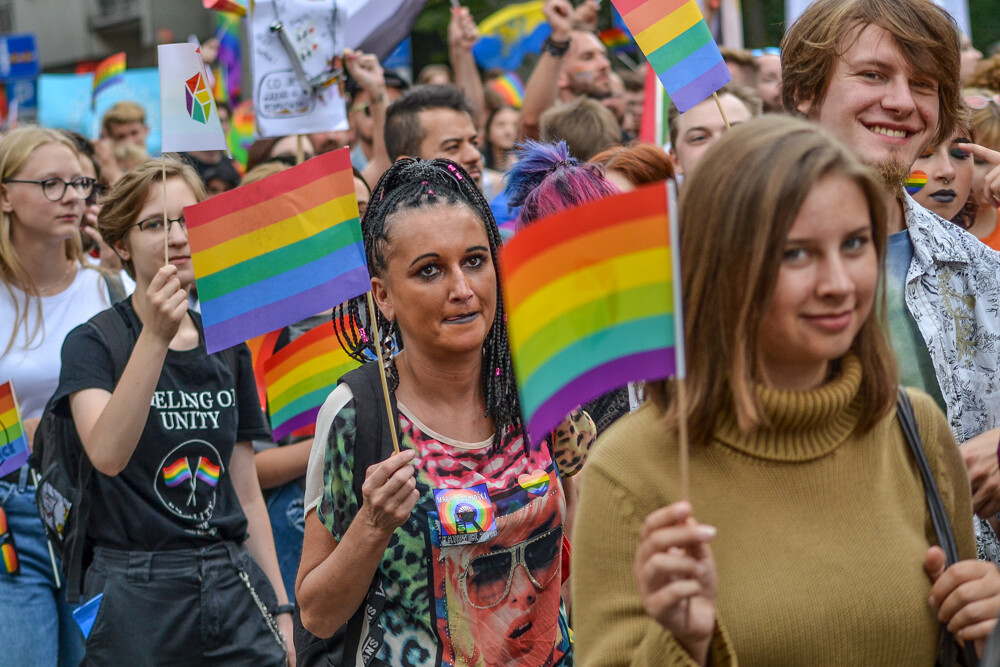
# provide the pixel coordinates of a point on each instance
(800, 425)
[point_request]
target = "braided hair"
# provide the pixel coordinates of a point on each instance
(413, 184)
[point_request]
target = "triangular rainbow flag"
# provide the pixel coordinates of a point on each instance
(14, 449)
(590, 296)
(679, 45)
(277, 251)
(301, 375)
(110, 71)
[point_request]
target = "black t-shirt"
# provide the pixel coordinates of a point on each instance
(175, 492)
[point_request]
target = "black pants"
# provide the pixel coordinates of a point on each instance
(186, 607)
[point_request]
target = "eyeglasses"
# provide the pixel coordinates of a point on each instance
(766, 51)
(96, 194)
(486, 580)
(290, 159)
(981, 102)
(157, 224)
(366, 109)
(54, 189)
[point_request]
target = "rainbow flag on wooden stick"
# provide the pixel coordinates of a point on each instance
(590, 303)
(679, 45)
(14, 441)
(271, 253)
(301, 375)
(110, 71)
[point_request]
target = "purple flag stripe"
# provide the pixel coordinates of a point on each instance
(298, 421)
(651, 365)
(277, 315)
(701, 88)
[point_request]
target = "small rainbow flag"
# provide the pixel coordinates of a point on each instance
(276, 251)
(238, 7)
(14, 449)
(301, 375)
(177, 472)
(590, 303)
(510, 88)
(241, 132)
(110, 71)
(679, 45)
(615, 39)
(207, 471)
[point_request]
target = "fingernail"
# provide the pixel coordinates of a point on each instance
(701, 569)
(706, 531)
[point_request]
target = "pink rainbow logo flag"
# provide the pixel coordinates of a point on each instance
(677, 42)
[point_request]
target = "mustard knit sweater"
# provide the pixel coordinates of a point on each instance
(821, 542)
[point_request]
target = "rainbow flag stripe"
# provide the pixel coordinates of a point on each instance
(590, 304)
(177, 472)
(14, 448)
(679, 45)
(241, 131)
(510, 88)
(277, 251)
(301, 375)
(109, 72)
(238, 7)
(10, 562)
(207, 471)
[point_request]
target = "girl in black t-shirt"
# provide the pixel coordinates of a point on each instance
(175, 494)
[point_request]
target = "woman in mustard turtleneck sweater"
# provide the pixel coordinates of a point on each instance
(801, 480)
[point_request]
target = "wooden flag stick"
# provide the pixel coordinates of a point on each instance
(299, 150)
(718, 103)
(679, 347)
(381, 371)
(166, 220)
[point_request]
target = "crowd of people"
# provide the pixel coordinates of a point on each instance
(839, 242)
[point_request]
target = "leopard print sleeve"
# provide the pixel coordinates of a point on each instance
(571, 442)
(338, 506)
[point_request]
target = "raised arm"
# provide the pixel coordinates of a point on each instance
(540, 91)
(110, 424)
(366, 70)
(462, 36)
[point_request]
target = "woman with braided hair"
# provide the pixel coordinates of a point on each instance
(453, 554)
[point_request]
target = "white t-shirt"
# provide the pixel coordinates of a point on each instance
(35, 368)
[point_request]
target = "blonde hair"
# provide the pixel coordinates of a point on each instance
(985, 121)
(736, 210)
(15, 149)
(120, 208)
(262, 171)
(121, 113)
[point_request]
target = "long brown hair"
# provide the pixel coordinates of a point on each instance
(736, 211)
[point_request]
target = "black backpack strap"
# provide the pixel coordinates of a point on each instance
(116, 288)
(372, 440)
(939, 518)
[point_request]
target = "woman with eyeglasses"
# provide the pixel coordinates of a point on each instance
(183, 557)
(49, 288)
(453, 553)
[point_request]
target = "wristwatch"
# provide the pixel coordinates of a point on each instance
(283, 609)
(554, 48)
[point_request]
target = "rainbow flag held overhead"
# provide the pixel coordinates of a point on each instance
(177, 472)
(679, 45)
(14, 449)
(301, 375)
(277, 251)
(110, 71)
(616, 39)
(590, 303)
(207, 471)
(509, 34)
(510, 89)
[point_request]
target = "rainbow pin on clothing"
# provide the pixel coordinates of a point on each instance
(915, 182)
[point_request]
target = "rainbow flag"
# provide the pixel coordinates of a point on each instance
(509, 34)
(241, 132)
(510, 88)
(679, 45)
(229, 64)
(14, 449)
(238, 7)
(110, 71)
(207, 471)
(274, 252)
(590, 303)
(301, 375)
(261, 349)
(177, 472)
(615, 39)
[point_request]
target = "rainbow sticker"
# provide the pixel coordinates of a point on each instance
(177, 472)
(467, 515)
(535, 483)
(916, 182)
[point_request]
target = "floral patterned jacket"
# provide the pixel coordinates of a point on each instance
(953, 293)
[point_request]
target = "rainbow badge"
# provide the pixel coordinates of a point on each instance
(467, 515)
(9, 563)
(915, 182)
(177, 472)
(535, 483)
(13, 440)
(207, 471)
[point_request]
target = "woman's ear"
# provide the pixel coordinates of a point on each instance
(121, 249)
(380, 292)
(5, 204)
